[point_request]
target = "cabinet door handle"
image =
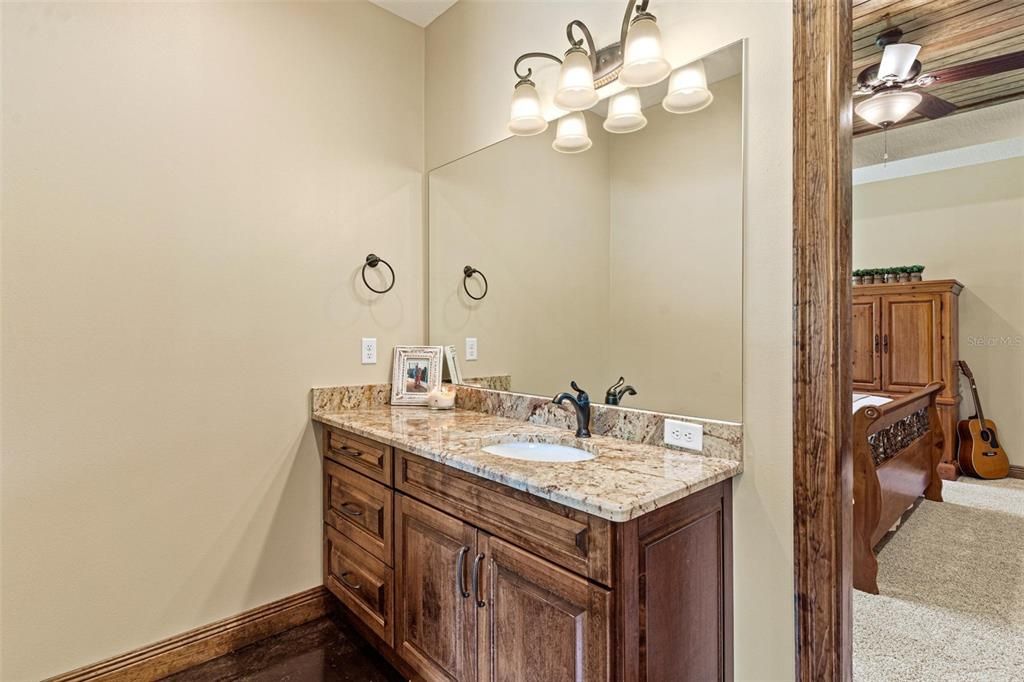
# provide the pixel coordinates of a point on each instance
(885, 343)
(351, 509)
(876, 343)
(476, 581)
(460, 573)
(354, 586)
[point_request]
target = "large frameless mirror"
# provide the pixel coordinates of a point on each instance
(622, 258)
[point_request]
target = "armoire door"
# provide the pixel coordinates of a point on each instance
(866, 343)
(435, 616)
(538, 621)
(911, 342)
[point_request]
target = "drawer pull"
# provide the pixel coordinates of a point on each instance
(476, 581)
(354, 454)
(350, 509)
(347, 583)
(460, 573)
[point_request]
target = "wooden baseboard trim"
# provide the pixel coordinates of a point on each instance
(207, 642)
(1016, 471)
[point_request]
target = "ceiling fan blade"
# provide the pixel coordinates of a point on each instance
(897, 60)
(933, 107)
(982, 67)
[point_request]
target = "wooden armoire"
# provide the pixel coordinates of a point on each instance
(905, 337)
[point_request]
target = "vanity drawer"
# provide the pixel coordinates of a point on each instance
(361, 582)
(360, 454)
(570, 538)
(359, 508)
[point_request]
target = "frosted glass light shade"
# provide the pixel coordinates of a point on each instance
(526, 117)
(643, 61)
(576, 82)
(897, 61)
(887, 108)
(625, 114)
(687, 90)
(571, 136)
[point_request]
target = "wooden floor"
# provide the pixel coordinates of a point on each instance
(326, 650)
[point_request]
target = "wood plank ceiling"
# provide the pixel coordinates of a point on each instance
(950, 32)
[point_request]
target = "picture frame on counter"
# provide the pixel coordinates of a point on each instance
(450, 357)
(416, 371)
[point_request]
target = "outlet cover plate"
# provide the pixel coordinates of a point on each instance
(368, 351)
(470, 348)
(684, 435)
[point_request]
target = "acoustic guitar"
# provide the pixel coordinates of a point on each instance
(980, 453)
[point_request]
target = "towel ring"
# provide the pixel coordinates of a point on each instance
(468, 272)
(373, 261)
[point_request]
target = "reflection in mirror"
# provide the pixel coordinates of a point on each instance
(622, 260)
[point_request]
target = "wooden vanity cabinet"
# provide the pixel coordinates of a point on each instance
(486, 583)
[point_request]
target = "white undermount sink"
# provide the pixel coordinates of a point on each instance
(539, 452)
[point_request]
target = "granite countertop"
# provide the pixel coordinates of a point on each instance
(623, 481)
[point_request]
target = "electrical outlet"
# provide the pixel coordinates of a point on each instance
(471, 348)
(369, 351)
(684, 435)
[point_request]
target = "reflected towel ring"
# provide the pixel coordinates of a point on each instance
(468, 272)
(373, 261)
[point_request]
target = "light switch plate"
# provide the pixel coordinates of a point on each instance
(369, 351)
(470, 348)
(684, 435)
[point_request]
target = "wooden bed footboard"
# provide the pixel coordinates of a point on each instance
(883, 492)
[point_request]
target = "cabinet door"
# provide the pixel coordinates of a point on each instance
(911, 342)
(538, 621)
(866, 343)
(435, 618)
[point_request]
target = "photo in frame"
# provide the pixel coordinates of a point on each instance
(416, 371)
(454, 373)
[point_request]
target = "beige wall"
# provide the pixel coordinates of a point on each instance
(187, 193)
(965, 224)
(470, 51)
(676, 299)
(535, 222)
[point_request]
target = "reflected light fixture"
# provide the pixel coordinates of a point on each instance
(888, 107)
(636, 60)
(625, 113)
(688, 90)
(572, 136)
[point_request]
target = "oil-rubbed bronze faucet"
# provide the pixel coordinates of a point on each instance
(613, 396)
(581, 402)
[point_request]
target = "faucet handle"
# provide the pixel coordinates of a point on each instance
(581, 395)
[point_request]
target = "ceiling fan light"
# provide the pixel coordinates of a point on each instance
(625, 113)
(571, 136)
(687, 90)
(526, 117)
(576, 82)
(643, 63)
(887, 108)
(897, 61)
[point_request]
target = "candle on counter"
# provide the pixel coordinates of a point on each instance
(442, 398)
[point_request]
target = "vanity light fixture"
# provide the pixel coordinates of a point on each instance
(688, 90)
(636, 61)
(625, 113)
(527, 117)
(572, 136)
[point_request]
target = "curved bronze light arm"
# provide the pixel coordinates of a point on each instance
(591, 48)
(642, 9)
(529, 55)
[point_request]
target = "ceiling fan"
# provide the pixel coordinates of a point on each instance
(895, 85)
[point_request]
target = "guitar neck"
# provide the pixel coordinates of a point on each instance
(977, 402)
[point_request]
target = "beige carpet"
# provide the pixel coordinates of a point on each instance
(952, 591)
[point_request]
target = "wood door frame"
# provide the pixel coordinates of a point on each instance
(822, 298)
